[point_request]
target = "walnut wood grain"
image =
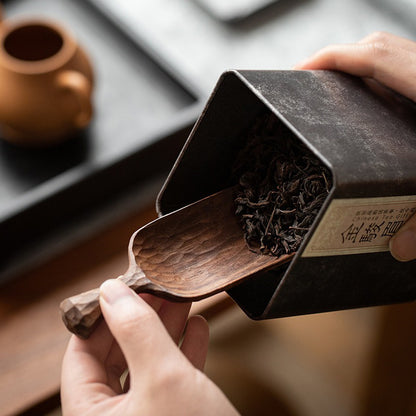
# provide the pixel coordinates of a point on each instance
(187, 255)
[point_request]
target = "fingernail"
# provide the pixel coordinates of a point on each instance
(114, 290)
(403, 245)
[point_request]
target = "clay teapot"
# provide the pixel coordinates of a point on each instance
(46, 83)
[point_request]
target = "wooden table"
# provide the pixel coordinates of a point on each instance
(32, 336)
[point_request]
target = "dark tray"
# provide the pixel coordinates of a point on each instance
(143, 114)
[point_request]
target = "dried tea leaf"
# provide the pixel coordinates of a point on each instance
(282, 187)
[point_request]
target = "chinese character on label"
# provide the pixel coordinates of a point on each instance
(351, 233)
(360, 225)
(371, 232)
(391, 228)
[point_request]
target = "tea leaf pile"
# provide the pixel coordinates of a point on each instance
(282, 187)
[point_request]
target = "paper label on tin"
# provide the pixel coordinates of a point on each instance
(362, 225)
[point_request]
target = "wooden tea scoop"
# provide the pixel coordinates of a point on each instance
(187, 255)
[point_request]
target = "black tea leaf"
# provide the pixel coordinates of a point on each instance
(282, 187)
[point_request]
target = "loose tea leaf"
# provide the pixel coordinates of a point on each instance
(282, 187)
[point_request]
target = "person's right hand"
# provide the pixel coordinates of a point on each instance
(390, 60)
(164, 380)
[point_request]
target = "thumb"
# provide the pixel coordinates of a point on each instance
(403, 243)
(136, 327)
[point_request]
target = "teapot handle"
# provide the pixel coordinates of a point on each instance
(78, 84)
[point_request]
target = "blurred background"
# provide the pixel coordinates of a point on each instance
(66, 212)
(202, 38)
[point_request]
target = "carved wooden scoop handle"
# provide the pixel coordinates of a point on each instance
(82, 313)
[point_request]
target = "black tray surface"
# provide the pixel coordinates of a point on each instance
(139, 107)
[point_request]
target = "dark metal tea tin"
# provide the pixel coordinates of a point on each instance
(366, 135)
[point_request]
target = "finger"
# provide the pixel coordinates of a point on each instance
(195, 341)
(174, 316)
(84, 359)
(84, 377)
(103, 349)
(403, 243)
(99, 343)
(385, 37)
(352, 58)
(115, 365)
(136, 327)
(388, 59)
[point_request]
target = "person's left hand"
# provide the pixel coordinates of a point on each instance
(403, 243)
(389, 60)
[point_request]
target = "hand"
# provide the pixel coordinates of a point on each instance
(390, 60)
(163, 379)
